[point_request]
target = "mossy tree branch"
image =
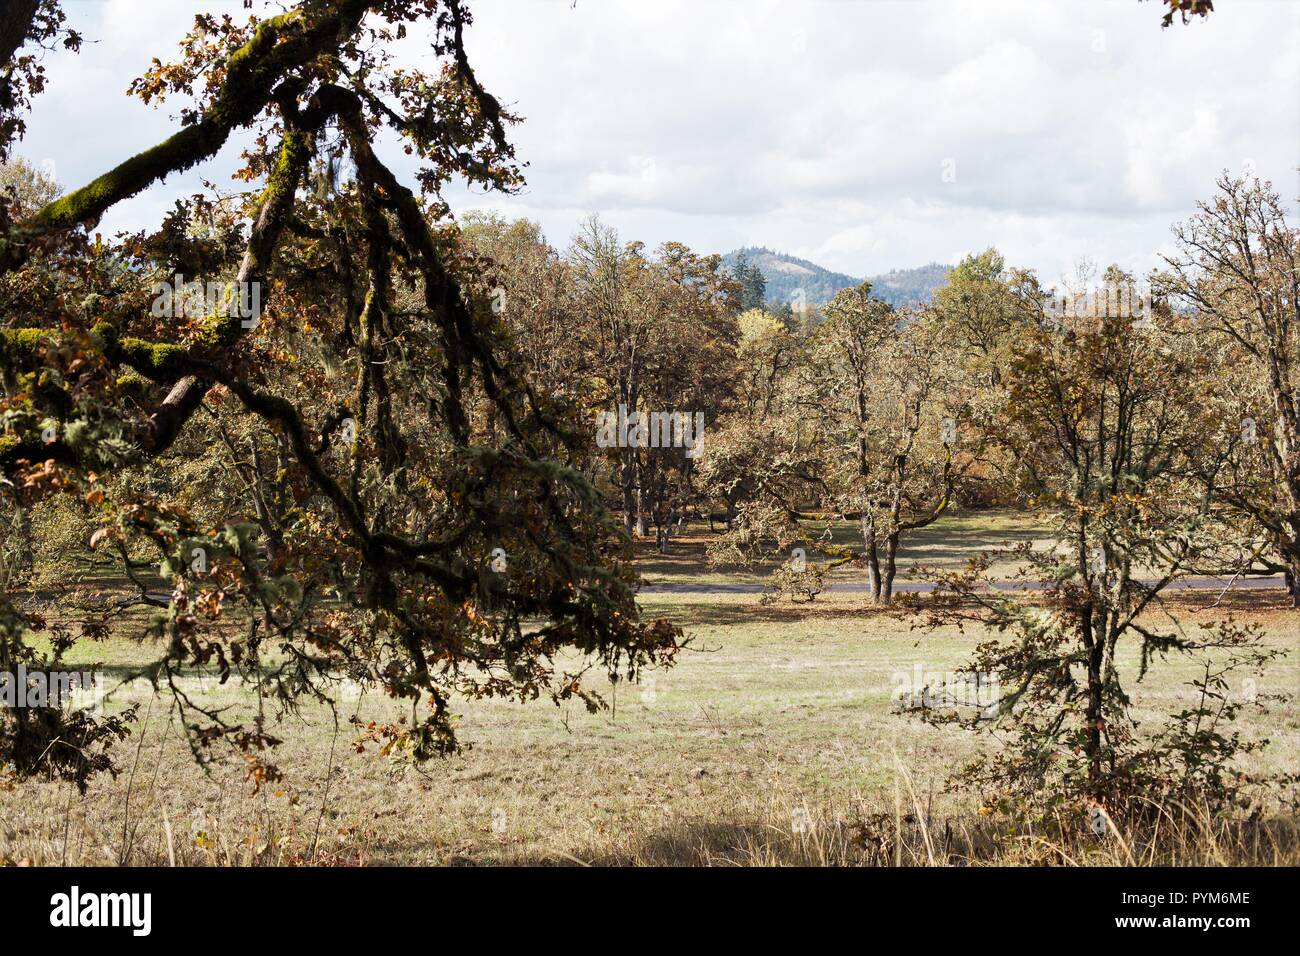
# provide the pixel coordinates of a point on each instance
(279, 46)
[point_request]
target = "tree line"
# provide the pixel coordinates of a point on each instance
(858, 414)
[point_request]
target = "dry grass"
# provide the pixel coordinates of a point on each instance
(772, 742)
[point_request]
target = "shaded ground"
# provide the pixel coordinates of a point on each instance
(947, 545)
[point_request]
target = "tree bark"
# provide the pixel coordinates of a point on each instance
(15, 23)
(628, 481)
(1093, 714)
(638, 471)
(873, 558)
(891, 564)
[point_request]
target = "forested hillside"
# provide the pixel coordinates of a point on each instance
(785, 277)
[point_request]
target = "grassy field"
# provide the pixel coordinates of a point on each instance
(774, 740)
(946, 544)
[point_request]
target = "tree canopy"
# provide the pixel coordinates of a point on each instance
(396, 504)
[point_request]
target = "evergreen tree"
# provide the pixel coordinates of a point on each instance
(752, 282)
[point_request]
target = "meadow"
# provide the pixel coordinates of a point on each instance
(775, 739)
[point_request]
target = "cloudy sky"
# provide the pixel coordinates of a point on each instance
(864, 135)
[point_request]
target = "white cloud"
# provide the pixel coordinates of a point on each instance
(1075, 128)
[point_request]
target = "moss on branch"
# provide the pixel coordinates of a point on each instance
(278, 46)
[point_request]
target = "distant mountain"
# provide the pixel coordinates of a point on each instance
(901, 287)
(785, 274)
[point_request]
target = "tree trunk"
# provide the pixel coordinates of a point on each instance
(873, 559)
(668, 530)
(15, 24)
(891, 564)
(1096, 650)
(627, 481)
(639, 496)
